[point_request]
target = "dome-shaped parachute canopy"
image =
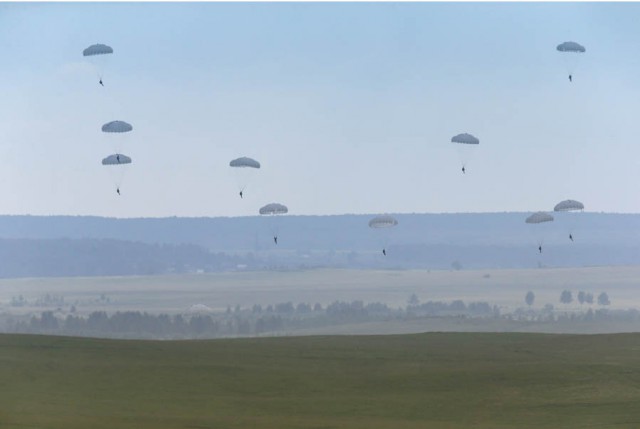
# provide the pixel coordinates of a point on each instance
(274, 209)
(116, 159)
(570, 47)
(117, 127)
(465, 138)
(97, 49)
(244, 162)
(568, 205)
(385, 221)
(539, 217)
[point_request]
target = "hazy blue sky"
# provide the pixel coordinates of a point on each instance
(349, 107)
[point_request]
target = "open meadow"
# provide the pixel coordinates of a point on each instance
(406, 381)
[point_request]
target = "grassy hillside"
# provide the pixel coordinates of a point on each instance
(411, 381)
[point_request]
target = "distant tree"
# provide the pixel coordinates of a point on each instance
(566, 297)
(413, 300)
(285, 307)
(303, 308)
(588, 298)
(317, 307)
(257, 309)
(456, 265)
(603, 299)
(530, 298)
(581, 297)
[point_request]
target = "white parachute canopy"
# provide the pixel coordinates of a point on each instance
(385, 221)
(116, 159)
(244, 162)
(569, 52)
(466, 145)
(244, 169)
(98, 55)
(117, 133)
(539, 217)
(536, 222)
(118, 165)
(274, 209)
(384, 225)
(117, 127)
(465, 138)
(568, 205)
(571, 47)
(568, 215)
(97, 49)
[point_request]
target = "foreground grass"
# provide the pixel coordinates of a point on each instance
(404, 381)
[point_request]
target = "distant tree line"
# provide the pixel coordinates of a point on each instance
(566, 297)
(257, 320)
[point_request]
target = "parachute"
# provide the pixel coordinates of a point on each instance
(274, 210)
(97, 49)
(564, 210)
(384, 224)
(117, 127)
(569, 52)
(571, 47)
(539, 217)
(98, 55)
(117, 133)
(568, 205)
(466, 144)
(116, 159)
(536, 221)
(465, 138)
(244, 162)
(244, 168)
(118, 165)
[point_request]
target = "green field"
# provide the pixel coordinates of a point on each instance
(405, 381)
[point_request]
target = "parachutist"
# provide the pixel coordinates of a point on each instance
(118, 158)
(464, 171)
(240, 194)
(101, 82)
(571, 237)
(570, 78)
(384, 252)
(275, 239)
(118, 191)
(540, 249)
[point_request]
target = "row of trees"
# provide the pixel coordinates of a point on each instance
(566, 297)
(282, 317)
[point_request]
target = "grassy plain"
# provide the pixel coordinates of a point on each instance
(435, 380)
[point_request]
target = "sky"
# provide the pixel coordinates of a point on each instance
(349, 107)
